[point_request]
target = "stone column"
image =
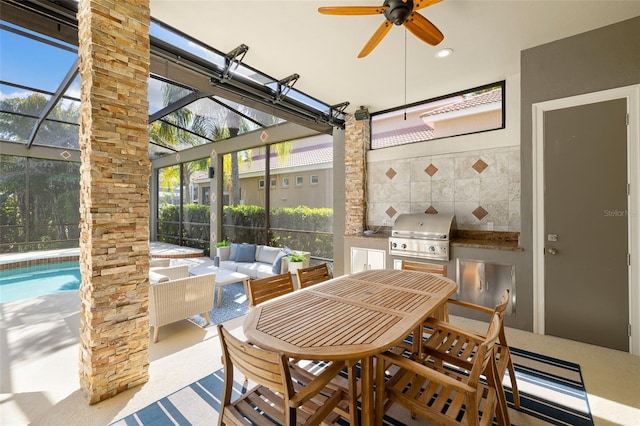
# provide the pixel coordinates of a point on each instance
(357, 141)
(114, 196)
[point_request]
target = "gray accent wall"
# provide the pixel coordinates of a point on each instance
(602, 59)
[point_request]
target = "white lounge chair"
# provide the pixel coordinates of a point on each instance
(176, 296)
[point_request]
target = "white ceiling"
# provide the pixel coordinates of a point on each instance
(286, 37)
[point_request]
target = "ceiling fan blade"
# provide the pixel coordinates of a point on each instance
(422, 28)
(352, 10)
(421, 4)
(375, 38)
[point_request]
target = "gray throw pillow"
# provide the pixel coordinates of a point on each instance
(277, 264)
(233, 251)
(246, 253)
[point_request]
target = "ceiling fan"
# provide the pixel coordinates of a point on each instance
(399, 12)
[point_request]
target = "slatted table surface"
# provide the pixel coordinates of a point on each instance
(349, 318)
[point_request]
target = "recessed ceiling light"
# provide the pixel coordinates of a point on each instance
(443, 53)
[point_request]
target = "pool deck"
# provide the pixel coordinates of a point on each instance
(157, 249)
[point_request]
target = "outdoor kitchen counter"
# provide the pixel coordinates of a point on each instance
(495, 240)
(487, 240)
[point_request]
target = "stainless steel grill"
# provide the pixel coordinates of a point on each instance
(422, 235)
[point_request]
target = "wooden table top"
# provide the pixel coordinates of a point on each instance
(348, 317)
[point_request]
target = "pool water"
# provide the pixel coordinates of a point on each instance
(40, 280)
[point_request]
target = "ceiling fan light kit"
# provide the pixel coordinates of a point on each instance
(398, 12)
(443, 53)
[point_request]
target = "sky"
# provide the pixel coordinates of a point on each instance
(22, 60)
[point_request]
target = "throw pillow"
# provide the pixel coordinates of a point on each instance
(155, 278)
(233, 251)
(267, 254)
(246, 253)
(277, 264)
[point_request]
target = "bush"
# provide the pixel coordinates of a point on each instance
(301, 228)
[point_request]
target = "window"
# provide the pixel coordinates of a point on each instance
(272, 182)
(302, 220)
(261, 183)
(471, 111)
(314, 179)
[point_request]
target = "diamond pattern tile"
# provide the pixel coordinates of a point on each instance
(479, 166)
(264, 136)
(65, 155)
(480, 213)
(391, 173)
(431, 170)
(391, 211)
(431, 210)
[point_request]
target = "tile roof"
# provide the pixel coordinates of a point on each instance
(401, 136)
(485, 98)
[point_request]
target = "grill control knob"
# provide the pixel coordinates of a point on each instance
(404, 246)
(432, 248)
(394, 245)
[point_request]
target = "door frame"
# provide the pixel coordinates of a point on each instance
(632, 96)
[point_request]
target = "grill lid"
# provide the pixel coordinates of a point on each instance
(422, 225)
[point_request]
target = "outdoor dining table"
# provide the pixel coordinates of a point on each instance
(349, 318)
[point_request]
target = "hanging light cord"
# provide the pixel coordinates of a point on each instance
(405, 74)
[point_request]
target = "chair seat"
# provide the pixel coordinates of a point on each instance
(429, 388)
(261, 402)
(285, 393)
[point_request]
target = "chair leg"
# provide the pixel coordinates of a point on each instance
(156, 332)
(206, 317)
(502, 413)
(514, 385)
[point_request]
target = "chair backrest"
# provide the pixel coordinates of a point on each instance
(264, 289)
(312, 275)
(431, 268)
(266, 368)
(501, 307)
(485, 354)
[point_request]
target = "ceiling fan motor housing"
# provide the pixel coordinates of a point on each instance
(398, 10)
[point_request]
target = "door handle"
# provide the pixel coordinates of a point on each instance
(552, 250)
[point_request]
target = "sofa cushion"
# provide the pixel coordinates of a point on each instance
(264, 270)
(155, 278)
(246, 253)
(267, 254)
(233, 251)
(229, 265)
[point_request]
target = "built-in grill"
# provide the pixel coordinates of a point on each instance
(422, 235)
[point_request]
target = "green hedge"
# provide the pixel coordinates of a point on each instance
(300, 228)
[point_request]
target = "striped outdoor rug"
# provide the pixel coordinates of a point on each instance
(551, 392)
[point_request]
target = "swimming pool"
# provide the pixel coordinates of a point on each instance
(33, 281)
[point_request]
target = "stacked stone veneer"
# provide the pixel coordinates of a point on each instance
(357, 137)
(114, 196)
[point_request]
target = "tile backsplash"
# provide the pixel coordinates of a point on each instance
(482, 188)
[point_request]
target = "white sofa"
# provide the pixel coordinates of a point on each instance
(259, 261)
(174, 295)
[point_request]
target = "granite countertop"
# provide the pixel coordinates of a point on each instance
(495, 240)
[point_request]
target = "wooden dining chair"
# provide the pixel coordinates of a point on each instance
(284, 392)
(441, 395)
(432, 268)
(263, 289)
(312, 275)
(455, 345)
